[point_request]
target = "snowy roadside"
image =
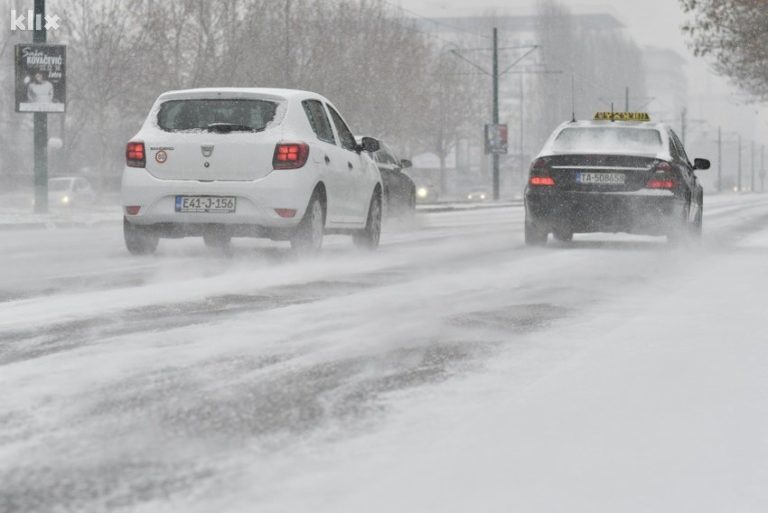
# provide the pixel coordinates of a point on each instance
(22, 218)
(16, 213)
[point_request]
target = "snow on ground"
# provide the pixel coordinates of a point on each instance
(453, 370)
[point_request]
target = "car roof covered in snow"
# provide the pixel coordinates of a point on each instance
(662, 128)
(238, 92)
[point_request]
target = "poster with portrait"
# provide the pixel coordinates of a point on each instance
(41, 84)
(496, 139)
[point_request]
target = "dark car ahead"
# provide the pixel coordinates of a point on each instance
(399, 189)
(608, 175)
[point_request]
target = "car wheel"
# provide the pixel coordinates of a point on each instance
(139, 240)
(308, 238)
(534, 235)
(369, 237)
(681, 230)
(698, 223)
(563, 235)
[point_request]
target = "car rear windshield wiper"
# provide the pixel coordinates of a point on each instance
(231, 127)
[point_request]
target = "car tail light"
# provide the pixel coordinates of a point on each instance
(663, 178)
(541, 180)
(290, 155)
(539, 175)
(286, 212)
(134, 155)
(132, 210)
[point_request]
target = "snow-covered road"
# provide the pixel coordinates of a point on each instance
(454, 370)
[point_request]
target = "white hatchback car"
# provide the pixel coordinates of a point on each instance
(236, 162)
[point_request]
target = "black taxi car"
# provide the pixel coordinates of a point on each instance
(617, 173)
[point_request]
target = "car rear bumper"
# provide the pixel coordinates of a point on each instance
(257, 200)
(642, 212)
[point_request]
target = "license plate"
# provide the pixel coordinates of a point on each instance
(601, 178)
(206, 204)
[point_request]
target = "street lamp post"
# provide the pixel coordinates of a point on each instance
(40, 128)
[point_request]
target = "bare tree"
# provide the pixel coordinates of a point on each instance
(732, 33)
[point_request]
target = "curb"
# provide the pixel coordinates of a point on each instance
(437, 208)
(54, 225)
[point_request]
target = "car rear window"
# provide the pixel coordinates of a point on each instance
(608, 139)
(180, 115)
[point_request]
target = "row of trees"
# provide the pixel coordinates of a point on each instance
(388, 76)
(385, 76)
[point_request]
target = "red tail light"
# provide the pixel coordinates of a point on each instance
(539, 175)
(134, 155)
(663, 178)
(286, 212)
(290, 155)
(665, 183)
(541, 180)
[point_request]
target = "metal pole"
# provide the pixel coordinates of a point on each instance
(495, 108)
(762, 168)
(752, 175)
(522, 115)
(738, 179)
(40, 127)
(626, 99)
(719, 158)
(683, 123)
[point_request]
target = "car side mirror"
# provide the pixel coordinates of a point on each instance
(701, 164)
(369, 144)
(405, 164)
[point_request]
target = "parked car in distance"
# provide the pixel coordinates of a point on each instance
(479, 195)
(249, 162)
(399, 189)
(68, 191)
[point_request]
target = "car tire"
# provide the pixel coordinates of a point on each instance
(681, 230)
(698, 223)
(534, 235)
(308, 237)
(563, 235)
(139, 240)
(369, 237)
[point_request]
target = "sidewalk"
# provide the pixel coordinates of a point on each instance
(56, 218)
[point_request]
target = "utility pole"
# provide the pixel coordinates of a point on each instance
(287, 59)
(762, 168)
(752, 175)
(40, 128)
(495, 109)
(495, 74)
(719, 158)
(522, 113)
(738, 179)
(683, 124)
(626, 99)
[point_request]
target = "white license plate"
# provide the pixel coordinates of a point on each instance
(207, 204)
(601, 178)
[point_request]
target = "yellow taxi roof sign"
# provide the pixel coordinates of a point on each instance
(622, 116)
